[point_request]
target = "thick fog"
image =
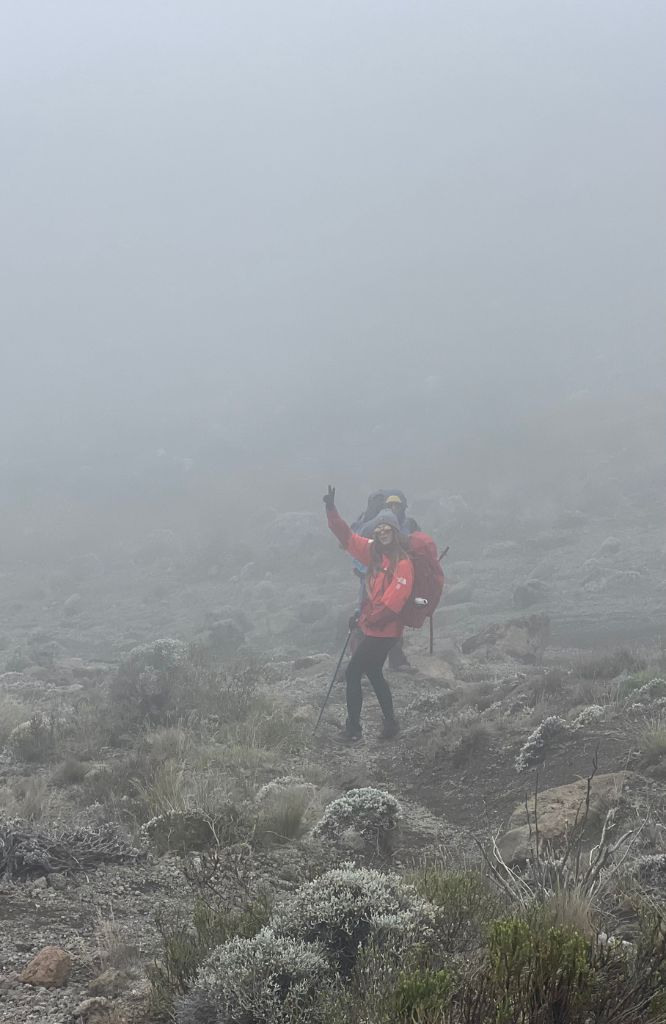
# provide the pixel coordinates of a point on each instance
(273, 244)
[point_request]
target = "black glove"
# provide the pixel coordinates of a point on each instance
(329, 499)
(353, 621)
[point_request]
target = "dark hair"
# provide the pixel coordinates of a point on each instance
(395, 553)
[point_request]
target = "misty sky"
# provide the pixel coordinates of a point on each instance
(244, 215)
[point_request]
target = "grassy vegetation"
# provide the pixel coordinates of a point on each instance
(652, 743)
(609, 666)
(190, 758)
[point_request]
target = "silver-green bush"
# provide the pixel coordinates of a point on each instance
(268, 979)
(371, 813)
(345, 908)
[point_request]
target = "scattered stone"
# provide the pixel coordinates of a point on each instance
(49, 969)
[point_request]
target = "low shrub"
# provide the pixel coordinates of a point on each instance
(537, 743)
(421, 995)
(464, 900)
(282, 805)
(345, 908)
(185, 944)
(29, 799)
(652, 743)
(589, 715)
(34, 741)
(143, 687)
(533, 970)
(186, 830)
(164, 681)
(12, 713)
(167, 743)
(116, 945)
(69, 773)
(371, 813)
(609, 666)
(474, 738)
(267, 979)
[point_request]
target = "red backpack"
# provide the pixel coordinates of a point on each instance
(428, 581)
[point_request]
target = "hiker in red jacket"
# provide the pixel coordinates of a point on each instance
(389, 583)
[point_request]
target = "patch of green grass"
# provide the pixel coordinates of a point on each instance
(186, 943)
(465, 900)
(652, 743)
(634, 682)
(281, 818)
(609, 666)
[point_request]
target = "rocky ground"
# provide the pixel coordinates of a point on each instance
(455, 769)
(533, 618)
(599, 578)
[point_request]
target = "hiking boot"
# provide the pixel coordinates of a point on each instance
(352, 733)
(391, 729)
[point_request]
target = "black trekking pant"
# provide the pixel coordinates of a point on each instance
(368, 660)
(397, 657)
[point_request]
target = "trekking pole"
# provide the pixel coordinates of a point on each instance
(335, 675)
(431, 645)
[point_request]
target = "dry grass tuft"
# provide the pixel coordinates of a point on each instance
(115, 945)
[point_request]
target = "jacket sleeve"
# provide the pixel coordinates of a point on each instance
(399, 590)
(358, 547)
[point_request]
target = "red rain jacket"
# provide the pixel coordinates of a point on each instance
(387, 593)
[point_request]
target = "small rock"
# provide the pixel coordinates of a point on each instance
(49, 969)
(57, 881)
(610, 546)
(39, 883)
